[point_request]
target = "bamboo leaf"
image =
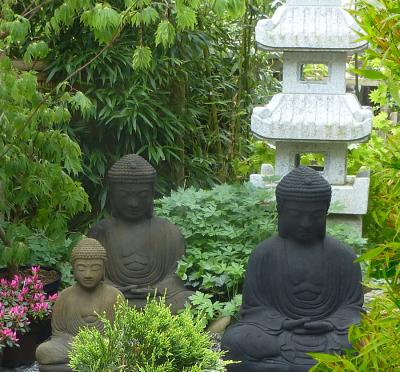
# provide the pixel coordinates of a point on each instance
(372, 253)
(370, 74)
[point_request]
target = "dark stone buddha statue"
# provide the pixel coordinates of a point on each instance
(78, 306)
(142, 249)
(302, 289)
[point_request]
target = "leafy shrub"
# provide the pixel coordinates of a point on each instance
(221, 227)
(382, 155)
(147, 340)
(37, 162)
(379, 21)
(376, 341)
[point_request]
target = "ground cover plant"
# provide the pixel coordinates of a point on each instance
(221, 227)
(147, 340)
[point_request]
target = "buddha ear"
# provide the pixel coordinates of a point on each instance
(282, 231)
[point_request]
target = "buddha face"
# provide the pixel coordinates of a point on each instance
(88, 272)
(303, 221)
(132, 201)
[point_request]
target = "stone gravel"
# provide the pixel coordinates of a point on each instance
(33, 368)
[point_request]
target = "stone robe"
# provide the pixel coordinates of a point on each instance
(282, 285)
(143, 255)
(75, 308)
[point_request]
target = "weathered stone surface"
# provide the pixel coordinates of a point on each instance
(142, 249)
(307, 25)
(294, 81)
(78, 306)
(312, 117)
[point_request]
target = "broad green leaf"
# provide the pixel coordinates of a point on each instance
(17, 29)
(149, 15)
(142, 58)
(185, 18)
(36, 50)
(372, 253)
(324, 357)
(165, 34)
(219, 7)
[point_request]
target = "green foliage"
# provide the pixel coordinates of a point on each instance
(17, 29)
(36, 50)
(38, 160)
(379, 21)
(260, 153)
(165, 34)
(173, 81)
(376, 341)
(148, 340)
(221, 227)
(382, 155)
(141, 58)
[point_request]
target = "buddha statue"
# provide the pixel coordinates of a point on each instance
(142, 249)
(77, 306)
(302, 289)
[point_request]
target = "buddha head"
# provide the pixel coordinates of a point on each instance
(131, 181)
(88, 259)
(303, 197)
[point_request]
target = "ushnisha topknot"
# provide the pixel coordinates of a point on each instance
(88, 248)
(131, 168)
(303, 184)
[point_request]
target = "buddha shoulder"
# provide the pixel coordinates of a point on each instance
(267, 247)
(164, 224)
(335, 247)
(99, 228)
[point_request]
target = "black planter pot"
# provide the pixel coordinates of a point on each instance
(24, 355)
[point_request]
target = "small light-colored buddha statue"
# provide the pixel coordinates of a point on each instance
(302, 289)
(142, 249)
(77, 306)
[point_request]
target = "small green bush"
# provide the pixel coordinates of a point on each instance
(376, 341)
(147, 340)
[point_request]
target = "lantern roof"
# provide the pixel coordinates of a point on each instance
(310, 25)
(312, 117)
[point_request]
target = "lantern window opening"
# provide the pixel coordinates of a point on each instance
(313, 160)
(318, 73)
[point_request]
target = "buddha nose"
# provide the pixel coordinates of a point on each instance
(133, 201)
(88, 274)
(305, 221)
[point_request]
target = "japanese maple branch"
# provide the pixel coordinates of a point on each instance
(44, 100)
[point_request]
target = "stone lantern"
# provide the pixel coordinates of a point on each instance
(314, 114)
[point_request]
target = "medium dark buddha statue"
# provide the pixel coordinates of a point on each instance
(302, 289)
(142, 249)
(78, 306)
